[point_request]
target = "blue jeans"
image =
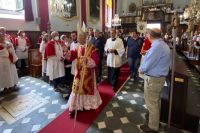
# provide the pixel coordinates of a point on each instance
(133, 64)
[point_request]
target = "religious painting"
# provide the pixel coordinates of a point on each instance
(141, 26)
(66, 9)
(94, 10)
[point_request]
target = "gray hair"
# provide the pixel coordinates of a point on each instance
(154, 32)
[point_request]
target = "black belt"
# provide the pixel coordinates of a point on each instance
(155, 76)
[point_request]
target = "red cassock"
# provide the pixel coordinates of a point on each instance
(146, 46)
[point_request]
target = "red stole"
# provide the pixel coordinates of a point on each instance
(50, 49)
(85, 75)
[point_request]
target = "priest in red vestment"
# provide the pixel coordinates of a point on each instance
(22, 45)
(55, 60)
(84, 95)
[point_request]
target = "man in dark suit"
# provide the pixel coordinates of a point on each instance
(99, 43)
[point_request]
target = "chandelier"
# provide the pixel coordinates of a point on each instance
(116, 21)
(193, 12)
(66, 8)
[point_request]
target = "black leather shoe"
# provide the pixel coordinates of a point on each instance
(67, 97)
(72, 114)
(113, 87)
(146, 129)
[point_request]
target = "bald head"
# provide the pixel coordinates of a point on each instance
(154, 33)
(3, 30)
(54, 34)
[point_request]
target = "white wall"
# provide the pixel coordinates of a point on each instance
(59, 24)
(16, 24)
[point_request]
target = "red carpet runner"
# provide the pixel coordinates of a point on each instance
(63, 124)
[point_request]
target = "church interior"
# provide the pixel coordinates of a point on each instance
(99, 66)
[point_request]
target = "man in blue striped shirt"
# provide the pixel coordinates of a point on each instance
(155, 67)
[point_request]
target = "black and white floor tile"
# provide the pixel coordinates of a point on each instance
(123, 113)
(37, 119)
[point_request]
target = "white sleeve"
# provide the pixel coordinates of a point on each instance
(42, 47)
(120, 48)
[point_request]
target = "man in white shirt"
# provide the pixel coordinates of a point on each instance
(114, 49)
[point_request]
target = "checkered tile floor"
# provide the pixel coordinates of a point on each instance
(40, 117)
(125, 112)
(122, 115)
(127, 109)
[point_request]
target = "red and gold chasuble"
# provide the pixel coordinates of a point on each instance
(84, 80)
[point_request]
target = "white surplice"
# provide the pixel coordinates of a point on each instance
(13, 72)
(55, 67)
(114, 60)
(22, 48)
(5, 69)
(44, 62)
(73, 46)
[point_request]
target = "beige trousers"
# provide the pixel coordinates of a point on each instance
(152, 96)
